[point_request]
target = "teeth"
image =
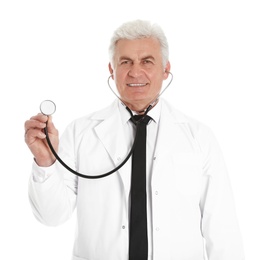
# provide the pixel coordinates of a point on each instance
(136, 85)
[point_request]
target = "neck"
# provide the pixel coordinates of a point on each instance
(140, 110)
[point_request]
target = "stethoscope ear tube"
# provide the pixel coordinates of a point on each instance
(86, 176)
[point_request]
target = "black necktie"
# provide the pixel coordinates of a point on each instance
(138, 242)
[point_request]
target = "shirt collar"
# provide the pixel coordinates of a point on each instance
(154, 113)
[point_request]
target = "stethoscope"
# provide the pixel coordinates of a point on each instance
(48, 107)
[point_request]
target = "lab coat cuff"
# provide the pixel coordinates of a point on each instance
(41, 174)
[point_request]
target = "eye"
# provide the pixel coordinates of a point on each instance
(147, 61)
(124, 62)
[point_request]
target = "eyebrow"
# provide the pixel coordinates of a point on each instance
(144, 58)
(149, 57)
(124, 58)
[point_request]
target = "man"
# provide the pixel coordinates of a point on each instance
(189, 200)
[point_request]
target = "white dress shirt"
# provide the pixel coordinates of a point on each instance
(152, 130)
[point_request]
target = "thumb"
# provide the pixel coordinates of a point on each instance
(50, 126)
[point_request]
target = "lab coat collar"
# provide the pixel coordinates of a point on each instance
(154, 113)
(111, 112)
(111, 134)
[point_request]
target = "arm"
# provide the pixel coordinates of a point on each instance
(52, 194)
(52, 190)
(219, 223)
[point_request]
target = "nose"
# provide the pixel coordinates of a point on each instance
(135, 71)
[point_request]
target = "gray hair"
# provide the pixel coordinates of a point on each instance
(139, 29)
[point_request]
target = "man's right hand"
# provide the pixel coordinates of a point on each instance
(35, 139)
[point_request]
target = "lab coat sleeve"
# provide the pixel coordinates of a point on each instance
(219, 222)
(52, 198)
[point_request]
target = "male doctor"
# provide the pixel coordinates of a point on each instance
(189, 200)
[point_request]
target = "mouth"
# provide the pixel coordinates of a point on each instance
(137, 84)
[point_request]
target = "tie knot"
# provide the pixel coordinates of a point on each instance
(141, 119)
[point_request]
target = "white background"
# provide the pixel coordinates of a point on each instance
(59, 50)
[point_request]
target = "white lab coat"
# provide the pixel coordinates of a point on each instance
(191, 195)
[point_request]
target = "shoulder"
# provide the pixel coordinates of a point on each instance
(199, 131)
(92, 119)
(169, 111)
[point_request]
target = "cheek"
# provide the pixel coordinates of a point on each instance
(157, 79)
(118, 73)
(120, 77)
(119, 82)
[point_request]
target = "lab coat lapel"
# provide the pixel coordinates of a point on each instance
(170, 137)
(168, 125)
(111, 134)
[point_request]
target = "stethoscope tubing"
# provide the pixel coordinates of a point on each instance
(87, 176)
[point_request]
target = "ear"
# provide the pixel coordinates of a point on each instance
(111, 70)
(166, 70)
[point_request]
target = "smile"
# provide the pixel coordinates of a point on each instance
(137, 84)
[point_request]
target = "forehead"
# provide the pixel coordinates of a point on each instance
(138, 47)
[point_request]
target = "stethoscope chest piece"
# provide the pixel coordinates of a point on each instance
(47, 107)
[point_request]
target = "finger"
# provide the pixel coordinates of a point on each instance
(34, 124)
(40, 117)
(33, 133)
(50, 126)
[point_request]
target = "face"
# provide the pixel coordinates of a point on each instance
(138, 71)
